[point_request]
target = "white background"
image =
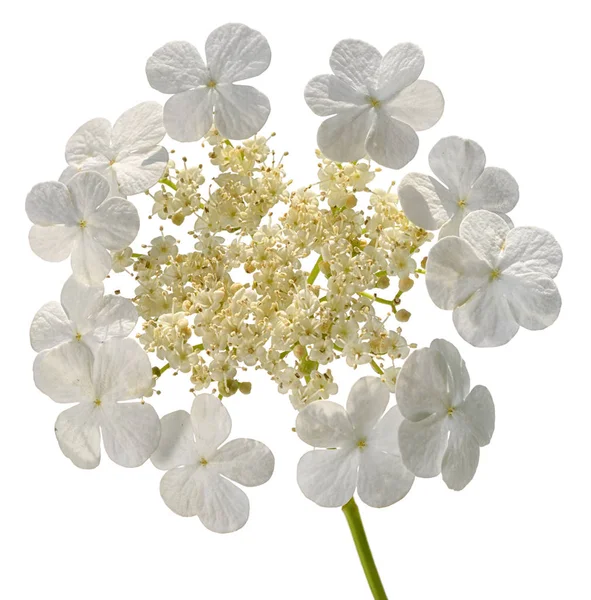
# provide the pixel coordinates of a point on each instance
(515, 76)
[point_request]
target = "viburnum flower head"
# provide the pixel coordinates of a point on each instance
(467, 185)
(127, 153)
(85, 315)
(445, 424)
(234, 52)
(375, 104)
(82, 220)
(358, 449)
(495, 278)
(199, 470)
(100, 385)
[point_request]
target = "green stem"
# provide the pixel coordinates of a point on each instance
(168, 183)
(315, 271)
(377, 299)
(355, 523)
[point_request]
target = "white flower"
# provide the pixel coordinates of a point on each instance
(495, 278)
(127, 153)
(378, 103)
(85, 315)
(120, 370)
(361, 449)
(198, 469)
(82, 220)
(234, 52)
(445, 424)
(467, 186)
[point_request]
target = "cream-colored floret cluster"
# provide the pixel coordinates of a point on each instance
(279, 280)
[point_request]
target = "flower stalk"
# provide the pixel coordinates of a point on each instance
(351, 511)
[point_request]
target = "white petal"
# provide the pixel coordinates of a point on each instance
(211, 423)
(53, 243)
(50, 327)
(383, 478)
(460, 460)
(182, 488)
(177, 443)
(342, 137)
(324, 424)
(115, 224)
(420, 105)
(486, 232)
(531, 249)
(91, 263)
(533, 298)
(50, 204)
(121, 371)
(366, 403)
(401, 66)
(87, 190)
(485, 320)
(424, 201)
(458, 163)
(495, 190)
(356, 63)
(131, 432)
(139, 172)
(245, 461)
(64, 373)
(78, 435)
(329, 477)
(188, 116)
(391, 143)
(423, 444)
(385, 435)
(114, 317)
(240, 111)
(477, 414)
(90, 144)
(452, 227)
(138, 129)
(423, 385)
(79, 302)
(457, 368)
(235, 52)
(454, 272)
(220, 505)
(176, 67)
(328, 95)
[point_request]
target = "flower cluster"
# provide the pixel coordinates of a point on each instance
(251, 272)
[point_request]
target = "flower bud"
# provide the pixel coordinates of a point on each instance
(402, 315)
(383, 282)
(405, 284)
(178, 219)
(245, 387)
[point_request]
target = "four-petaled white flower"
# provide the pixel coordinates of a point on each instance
(360, 449)
(378, 103)
(120, 370)
(198, 469)
(85, 315)
(467, 186)
(445, 424)
(80, 219)
(234, 52)
(127, 153)
(495, 278)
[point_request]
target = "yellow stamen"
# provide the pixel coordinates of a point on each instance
(375, 103)
(203, 462)
(211, 83)
(83, 224)
(98, 401)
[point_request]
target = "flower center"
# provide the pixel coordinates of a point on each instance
(374, 102)
(82, 224)
(450, 411)
(495, 274)
(203, 462)
(462, 202)
(362, 443)
(98, 402)
(211, 83)
(78, 336)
